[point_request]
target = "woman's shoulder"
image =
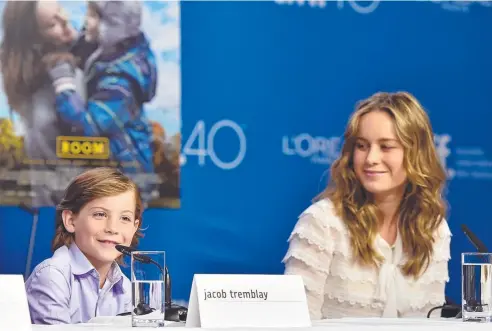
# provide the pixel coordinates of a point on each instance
(323, 212)
(319, 222)
(442, 242)
(443, 230)
(318, 233)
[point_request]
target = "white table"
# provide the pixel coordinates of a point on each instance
(346, 324)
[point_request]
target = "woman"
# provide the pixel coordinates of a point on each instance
(33, 29)
(375, 243)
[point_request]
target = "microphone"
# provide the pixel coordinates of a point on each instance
(477, 243)
(142, 258)
(174, 312)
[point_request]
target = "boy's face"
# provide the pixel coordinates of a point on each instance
(101, 224)
(91, 25)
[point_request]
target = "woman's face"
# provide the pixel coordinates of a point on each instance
(378, 155)
(53, 24)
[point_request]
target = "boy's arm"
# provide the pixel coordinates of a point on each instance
(107, 109)
(48, 296)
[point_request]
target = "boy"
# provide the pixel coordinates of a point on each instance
(101, 208)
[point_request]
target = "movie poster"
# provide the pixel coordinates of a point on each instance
(88, 84)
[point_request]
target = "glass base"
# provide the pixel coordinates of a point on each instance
(149, 323)
(477, 317)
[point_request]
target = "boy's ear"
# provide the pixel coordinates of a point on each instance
(68, 220)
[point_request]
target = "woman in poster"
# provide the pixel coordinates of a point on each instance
(32, 29)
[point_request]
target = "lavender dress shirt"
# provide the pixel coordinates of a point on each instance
(64, 289)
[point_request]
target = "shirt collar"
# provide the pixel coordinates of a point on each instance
(81, 266)
(116, 277)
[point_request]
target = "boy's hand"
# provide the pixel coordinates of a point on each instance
(61, 69)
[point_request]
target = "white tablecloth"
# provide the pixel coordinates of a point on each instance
(345, 324)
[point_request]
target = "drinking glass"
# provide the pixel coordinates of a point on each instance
(148, 288)
(476, 287)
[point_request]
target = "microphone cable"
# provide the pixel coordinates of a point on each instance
(444, 307)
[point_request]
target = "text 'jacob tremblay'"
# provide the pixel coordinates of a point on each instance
(221, 294)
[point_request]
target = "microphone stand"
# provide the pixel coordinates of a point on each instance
(35, 218)
(167, 281)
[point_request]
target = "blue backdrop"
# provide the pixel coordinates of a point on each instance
(266, 92)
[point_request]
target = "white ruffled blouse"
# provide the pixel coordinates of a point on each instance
(319, 251)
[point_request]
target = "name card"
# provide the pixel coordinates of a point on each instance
(14, 310)
(228, 301)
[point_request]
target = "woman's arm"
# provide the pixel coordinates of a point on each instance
(309, 255)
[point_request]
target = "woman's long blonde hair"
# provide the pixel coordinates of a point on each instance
(422, 208)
